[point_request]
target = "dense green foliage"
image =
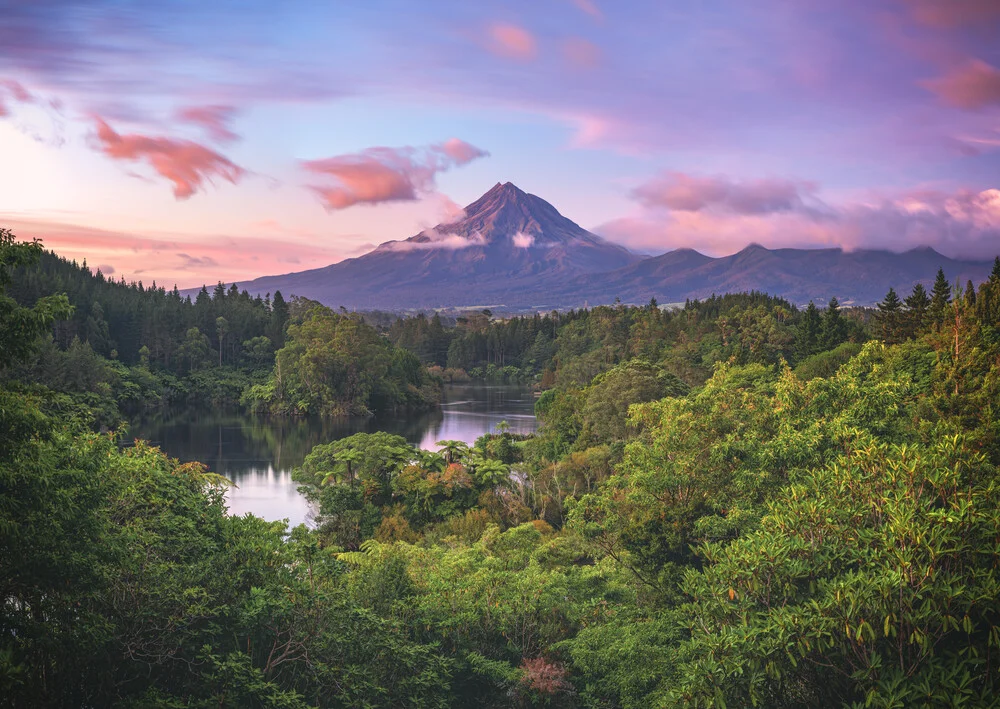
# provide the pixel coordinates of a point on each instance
(573, 347)
(125, 348)
(696, 524)
(121, 319)
(336, 364)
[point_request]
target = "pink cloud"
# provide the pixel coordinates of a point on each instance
(512, 41)
(460, 151)
(13, 90)
(961, 223)
(589, 7)
(185, 163)
(972, 86)
(688, 193)
(954, 13)
(378, 175)
(17, 91)
(449, 211)
(213, 119)
(186, 259)
(581, 53)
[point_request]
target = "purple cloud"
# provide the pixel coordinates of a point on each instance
(512, 41)
(961, 223)
(955, 13)
(688, 193)
(974, 85)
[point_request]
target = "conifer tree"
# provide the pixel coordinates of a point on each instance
(279, 318)
(889, 316)
(940, 297)
(917, 305)
(988, 302)
(807, 336)
(834, 329)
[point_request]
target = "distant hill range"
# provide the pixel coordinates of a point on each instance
(516, 251)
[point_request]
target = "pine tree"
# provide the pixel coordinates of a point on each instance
(970, 295)
(889, 312)
(807, 336)
(834, 329)
(988, 306)
(917, 305)
(279, 319)
(940, 297)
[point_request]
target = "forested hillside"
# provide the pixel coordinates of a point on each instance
(126, 347)
(120, 319)
(576, 345)
(731, 504)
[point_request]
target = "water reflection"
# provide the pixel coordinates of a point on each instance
(469, 411)
(258, 453)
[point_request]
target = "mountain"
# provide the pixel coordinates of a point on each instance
(509, 248)
(515, 250)
(859, 277)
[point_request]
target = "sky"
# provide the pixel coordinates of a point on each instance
(184, 141)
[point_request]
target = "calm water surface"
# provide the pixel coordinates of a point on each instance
(258, 453)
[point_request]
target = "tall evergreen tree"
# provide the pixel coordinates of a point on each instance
(917, 305)
(221, 330)
(940, 297)
(970, 294)
(807, 335)
(988, 305)
(889, 317)
(279, 319)
(834, 329)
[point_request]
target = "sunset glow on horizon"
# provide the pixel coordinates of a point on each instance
(184, 142)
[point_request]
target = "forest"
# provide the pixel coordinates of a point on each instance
(734, 502)
(124, 348)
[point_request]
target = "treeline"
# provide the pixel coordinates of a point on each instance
(576, 345)
(135, 323)
(124, 348)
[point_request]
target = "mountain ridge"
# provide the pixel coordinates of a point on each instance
(513, 249)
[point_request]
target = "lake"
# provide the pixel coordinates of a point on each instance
(258, 453)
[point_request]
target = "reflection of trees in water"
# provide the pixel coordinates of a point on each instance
(234, 443)
(488, 398)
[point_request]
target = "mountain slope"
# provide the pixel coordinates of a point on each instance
(516, 250)
(855, 277)
(508, 248)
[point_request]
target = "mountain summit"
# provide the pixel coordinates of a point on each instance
(509, 246)
(507, 218)
(513, 249)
